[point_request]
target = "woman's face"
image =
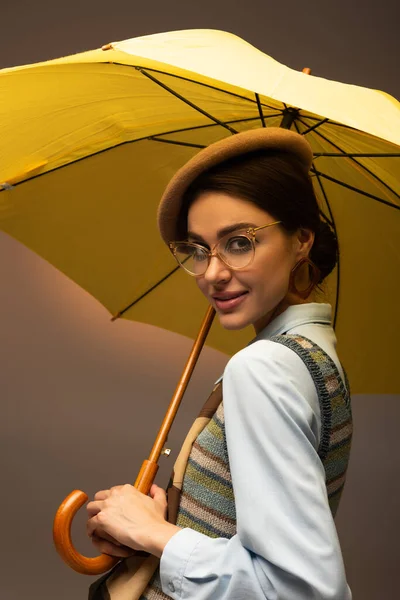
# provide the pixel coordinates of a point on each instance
(250, 295)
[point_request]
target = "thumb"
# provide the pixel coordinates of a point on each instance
(159, 496)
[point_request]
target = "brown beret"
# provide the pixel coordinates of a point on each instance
(238, 144)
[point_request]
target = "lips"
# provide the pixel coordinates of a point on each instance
(227, 295)
(227, 301)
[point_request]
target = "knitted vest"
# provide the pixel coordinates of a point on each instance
(205, 500)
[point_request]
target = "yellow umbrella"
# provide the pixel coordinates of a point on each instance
(88, 142)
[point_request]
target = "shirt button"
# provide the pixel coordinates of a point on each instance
(171, 586)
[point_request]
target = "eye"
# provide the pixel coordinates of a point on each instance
(185, 252)
(198, 254)
(238, 244)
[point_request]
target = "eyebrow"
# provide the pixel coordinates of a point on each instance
(223, 231)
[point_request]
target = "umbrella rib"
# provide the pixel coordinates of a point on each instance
(313, 127)
(156, 138)
(356, 162)
(185, 100)
(207, 85)
(357, 155)
(335, 123)
(327, 219)
(260, 109)
(297, 127)
(333, 224)
(176, 143)
(354, 189)
(153, 287)
(195, 127)
(234, 121)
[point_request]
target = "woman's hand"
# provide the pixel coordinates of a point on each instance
(122, 516)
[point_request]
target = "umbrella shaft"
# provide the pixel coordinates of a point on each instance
(181, 387)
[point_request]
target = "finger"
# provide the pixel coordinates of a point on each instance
(157, 493)
(159, 496)
(99, 522)
(101, 534)
(106, 547)
(118, 488)
(93, 508)
(102, 494)
(93, 524)
(153, 490)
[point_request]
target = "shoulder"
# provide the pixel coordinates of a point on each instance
(265, 356)
(267, 375)
(267, 385)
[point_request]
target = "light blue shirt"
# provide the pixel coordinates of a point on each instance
(286, 546)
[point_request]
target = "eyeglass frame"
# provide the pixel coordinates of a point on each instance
(251, 231)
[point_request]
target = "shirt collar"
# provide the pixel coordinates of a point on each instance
(295, 315)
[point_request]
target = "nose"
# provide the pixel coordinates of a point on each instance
(217, 271)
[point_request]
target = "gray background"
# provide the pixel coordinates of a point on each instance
(83, 397)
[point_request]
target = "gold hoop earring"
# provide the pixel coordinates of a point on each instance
(314, 275)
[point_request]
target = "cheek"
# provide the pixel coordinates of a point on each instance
(274, 269)
(201, 284)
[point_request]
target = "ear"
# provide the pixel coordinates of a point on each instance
(304, 241)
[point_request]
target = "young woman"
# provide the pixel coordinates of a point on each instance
(265, 474)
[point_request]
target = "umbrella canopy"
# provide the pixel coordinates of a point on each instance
(88, 143)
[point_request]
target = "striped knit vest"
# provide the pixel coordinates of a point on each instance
(202, 495)
(207, 502)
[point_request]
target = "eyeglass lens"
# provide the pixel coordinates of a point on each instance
(235, 250)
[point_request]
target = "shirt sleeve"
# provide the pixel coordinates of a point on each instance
(286, 545)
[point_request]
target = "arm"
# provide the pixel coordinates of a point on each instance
(286, 544)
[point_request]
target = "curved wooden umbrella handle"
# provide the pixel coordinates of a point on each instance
(63, 542)
(72, 503)
(63, 521)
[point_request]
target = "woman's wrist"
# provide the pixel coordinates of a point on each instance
(156, 537)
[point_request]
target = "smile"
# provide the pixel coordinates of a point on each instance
(227, 302)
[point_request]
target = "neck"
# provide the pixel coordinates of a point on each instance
(289, 300)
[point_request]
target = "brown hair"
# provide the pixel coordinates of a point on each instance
(275, 182)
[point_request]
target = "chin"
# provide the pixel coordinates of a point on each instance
(233, 322)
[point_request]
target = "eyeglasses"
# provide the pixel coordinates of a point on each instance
(236, 250)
